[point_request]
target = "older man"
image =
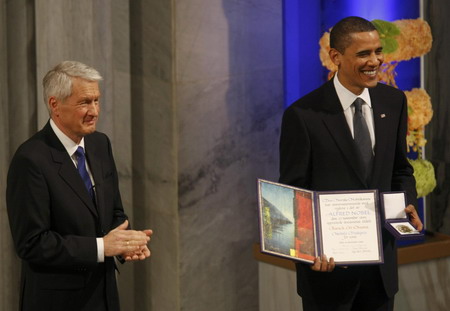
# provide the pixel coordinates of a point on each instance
(64, 205)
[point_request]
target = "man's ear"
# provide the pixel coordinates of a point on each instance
(53, 105)
(335, 56)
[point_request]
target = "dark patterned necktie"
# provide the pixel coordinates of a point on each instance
(81, 159)
(362, 137)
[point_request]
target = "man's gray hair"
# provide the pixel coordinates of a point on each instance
(58, 81)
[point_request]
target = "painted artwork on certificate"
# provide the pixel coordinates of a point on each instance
(287, 217)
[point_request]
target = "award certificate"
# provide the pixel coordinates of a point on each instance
(301, 224)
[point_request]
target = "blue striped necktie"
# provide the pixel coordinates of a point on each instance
(81, 159)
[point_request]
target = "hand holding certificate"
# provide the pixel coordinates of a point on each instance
(302, 225)
(322, 264)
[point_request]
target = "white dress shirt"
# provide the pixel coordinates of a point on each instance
(347, 98)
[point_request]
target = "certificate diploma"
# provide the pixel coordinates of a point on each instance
(301, 224)
(350, 226)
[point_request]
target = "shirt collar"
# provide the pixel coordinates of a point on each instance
(68, 143)
(346, 97)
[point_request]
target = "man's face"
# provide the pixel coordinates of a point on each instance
(77, 115)
(360, 62)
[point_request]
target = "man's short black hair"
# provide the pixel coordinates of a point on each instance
(340, 37)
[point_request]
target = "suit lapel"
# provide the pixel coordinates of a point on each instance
(67, 169)
(380, 117)
(95, 166)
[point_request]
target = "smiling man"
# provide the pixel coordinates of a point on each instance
(64, 206)
(350, 134)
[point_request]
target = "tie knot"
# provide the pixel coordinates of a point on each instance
(80, 152)
(358, 104)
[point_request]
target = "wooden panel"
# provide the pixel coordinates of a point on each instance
(435, 246)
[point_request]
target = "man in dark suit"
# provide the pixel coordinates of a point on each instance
(318, 151)
(64, 205)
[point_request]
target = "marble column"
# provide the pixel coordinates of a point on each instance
(192, 99)
(207, 99)
(437, 77)
(154, 146)
(17, 122)
(229, 99)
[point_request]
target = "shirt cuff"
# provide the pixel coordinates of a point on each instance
(100, 250)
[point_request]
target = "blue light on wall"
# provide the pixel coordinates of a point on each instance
(302, 29)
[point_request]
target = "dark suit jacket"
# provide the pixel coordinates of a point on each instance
(317, 152)
(54, 223)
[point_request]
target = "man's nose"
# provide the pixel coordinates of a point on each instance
(374, 59)
(93, 108)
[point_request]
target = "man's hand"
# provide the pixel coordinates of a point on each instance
(410, 210)
(321, 264)
(122, 241)
(140, 254)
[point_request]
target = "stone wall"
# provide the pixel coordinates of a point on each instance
(192, 100)
(437, 77)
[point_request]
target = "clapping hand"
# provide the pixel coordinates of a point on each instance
(130, 244)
